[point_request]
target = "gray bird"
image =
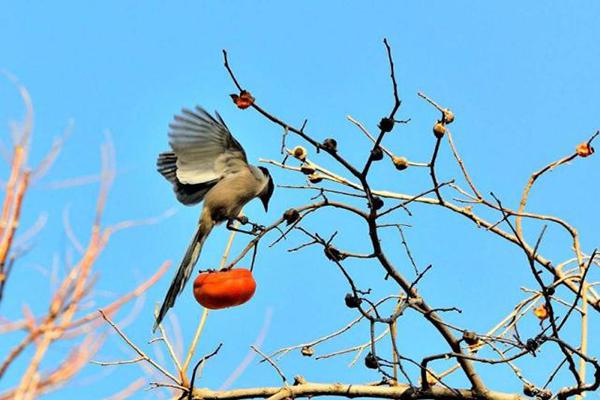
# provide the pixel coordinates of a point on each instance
(208, 163)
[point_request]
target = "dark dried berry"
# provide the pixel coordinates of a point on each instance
(371, 361)
(532, 345)
(470, 338)
(386, 124)
(307, 351)
(439, 130)
(448, 116)
(307, 169)
(330, 145)
(300, 153)
(544, 394)
(401, 163)
(529, 390)
(352, 301)
(291, 216)
(532, 391)
(315, 178)
(377, 154)
(333, 254)
(377, 203)
(550, 290)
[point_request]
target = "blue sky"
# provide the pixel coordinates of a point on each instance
(521, 78)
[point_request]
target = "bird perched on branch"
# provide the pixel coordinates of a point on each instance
(208, 163)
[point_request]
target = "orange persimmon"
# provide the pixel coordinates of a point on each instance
(584, 150)
(541, 312)
(222, 289)
(243, 100)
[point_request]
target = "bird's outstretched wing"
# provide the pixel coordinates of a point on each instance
(204, 147)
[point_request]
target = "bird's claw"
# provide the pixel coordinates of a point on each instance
(257, 228)
(243, 220)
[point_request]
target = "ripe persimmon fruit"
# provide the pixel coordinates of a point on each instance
(222, 289)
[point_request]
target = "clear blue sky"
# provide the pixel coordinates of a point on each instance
(521, 78)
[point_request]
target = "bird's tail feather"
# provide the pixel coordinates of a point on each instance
(185, 270)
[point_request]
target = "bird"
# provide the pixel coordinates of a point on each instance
(206, 163)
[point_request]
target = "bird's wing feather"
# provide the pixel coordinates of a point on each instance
(204, 146)
(166, 164)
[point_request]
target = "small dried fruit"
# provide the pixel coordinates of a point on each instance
(291, 216)
(299, 380)
(386, 124)
(377, 154)
(470, 338)
(531, 345)
(307, 169)
(400, 163)
(243, 100)
(584, 150)
(541, 312)
(550, 290)
(300, 153)
(377, 202)
(307, 351)
(448, 116)
(439, 130)
(333, 254)
(315, 178)
(352, 301)
(529, 390)
(431, 379)
(330, 145)
(371, 361)
(545, 394)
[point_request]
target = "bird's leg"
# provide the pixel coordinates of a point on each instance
(256, 228)
(231, 226)
(244, 221)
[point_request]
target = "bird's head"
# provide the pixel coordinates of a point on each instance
(267, 192)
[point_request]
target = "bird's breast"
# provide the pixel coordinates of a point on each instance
(227, 198)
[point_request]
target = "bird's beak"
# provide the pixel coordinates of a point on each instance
(266, 194)
(265, 202)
